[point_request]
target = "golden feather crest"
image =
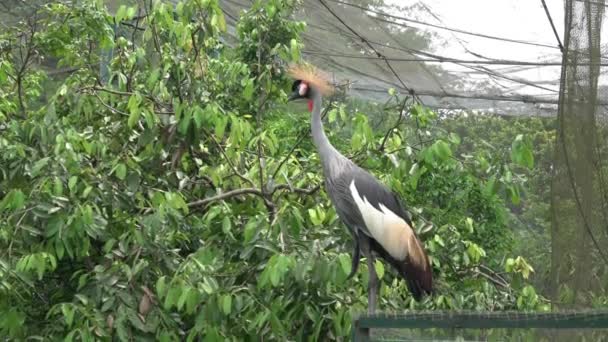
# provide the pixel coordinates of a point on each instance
(313, 76)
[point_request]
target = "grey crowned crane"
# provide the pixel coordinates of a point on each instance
(372, 213)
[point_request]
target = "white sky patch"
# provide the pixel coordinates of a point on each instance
(524, 20)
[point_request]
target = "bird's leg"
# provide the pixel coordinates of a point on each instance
(372, 284)
(356, 258)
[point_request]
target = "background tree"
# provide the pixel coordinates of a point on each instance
(180, 198)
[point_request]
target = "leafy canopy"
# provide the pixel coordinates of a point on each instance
(171, 194)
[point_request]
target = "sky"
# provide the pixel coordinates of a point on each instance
(515, 19)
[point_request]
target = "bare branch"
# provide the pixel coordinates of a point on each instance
(399, 118)
(226, 195)
(309, 191)
(228, 160)
(109, 107)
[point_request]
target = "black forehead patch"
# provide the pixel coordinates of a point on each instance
(295, 85)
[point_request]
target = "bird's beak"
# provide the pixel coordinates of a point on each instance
(293, 96)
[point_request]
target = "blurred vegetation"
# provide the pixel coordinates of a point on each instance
(180, 198)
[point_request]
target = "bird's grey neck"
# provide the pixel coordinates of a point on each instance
(330, 157)
(318, 134)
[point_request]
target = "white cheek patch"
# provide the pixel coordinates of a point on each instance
(390, 230)
(303, 89)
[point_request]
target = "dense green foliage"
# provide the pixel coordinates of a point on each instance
(492, 141)
(182, 198)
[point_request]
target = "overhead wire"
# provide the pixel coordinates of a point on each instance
(388, 64)
(476, 66)
(559, 42)
(481, 35)
(419, 22)
(422, 65)
(475, 69)
(484, 70)
(512, 98)
(447, 60)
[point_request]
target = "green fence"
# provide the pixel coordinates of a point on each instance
(484, 326)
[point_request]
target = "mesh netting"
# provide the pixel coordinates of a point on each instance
(579, 189)
(405, 45)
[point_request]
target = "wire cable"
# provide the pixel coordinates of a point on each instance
(410, 90)
(559, 42)
(439, 59)
(517, 41)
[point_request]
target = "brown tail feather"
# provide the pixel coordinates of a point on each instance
(415, 269)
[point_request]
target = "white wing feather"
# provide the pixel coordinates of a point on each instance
(386, 227)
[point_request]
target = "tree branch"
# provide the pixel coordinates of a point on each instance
(109, 107)
(309, 191)
(219, 146)
(226, 195)
(388, 133)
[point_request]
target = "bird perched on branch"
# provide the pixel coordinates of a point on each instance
(369, 209)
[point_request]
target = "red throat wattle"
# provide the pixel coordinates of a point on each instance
(310, 105)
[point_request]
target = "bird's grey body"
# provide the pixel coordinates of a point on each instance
(372, 213)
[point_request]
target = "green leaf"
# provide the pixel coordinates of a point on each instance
(121, 171)
(379, 268)
(251, 228)
(345, 263)
(58, 187)
(184, 122)
(469, 224)
(227, 304)
(226, 225)
(130, 12)
(439, 240)
(332, 115)
(209, 285)
(172, 297)
(134, 117)
(220, 126)
(513, 191)
(68, 313)
(192, 301)
(248, 90)
(454, 138)
(294, 49)
(12, 321)
(442, 150)
(521, 151)
(275, 276)
(475, 252)
(183, 297)
(221, 22)
(153, 78)
(120, 13)
(14, 200)
(39, 165)
(72, 183)
(199, 116)
(161, 286)
(87, 191)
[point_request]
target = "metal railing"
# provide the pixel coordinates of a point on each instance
(454, 320)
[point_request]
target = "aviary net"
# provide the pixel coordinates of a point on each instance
(511, 65)
(473, 326)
